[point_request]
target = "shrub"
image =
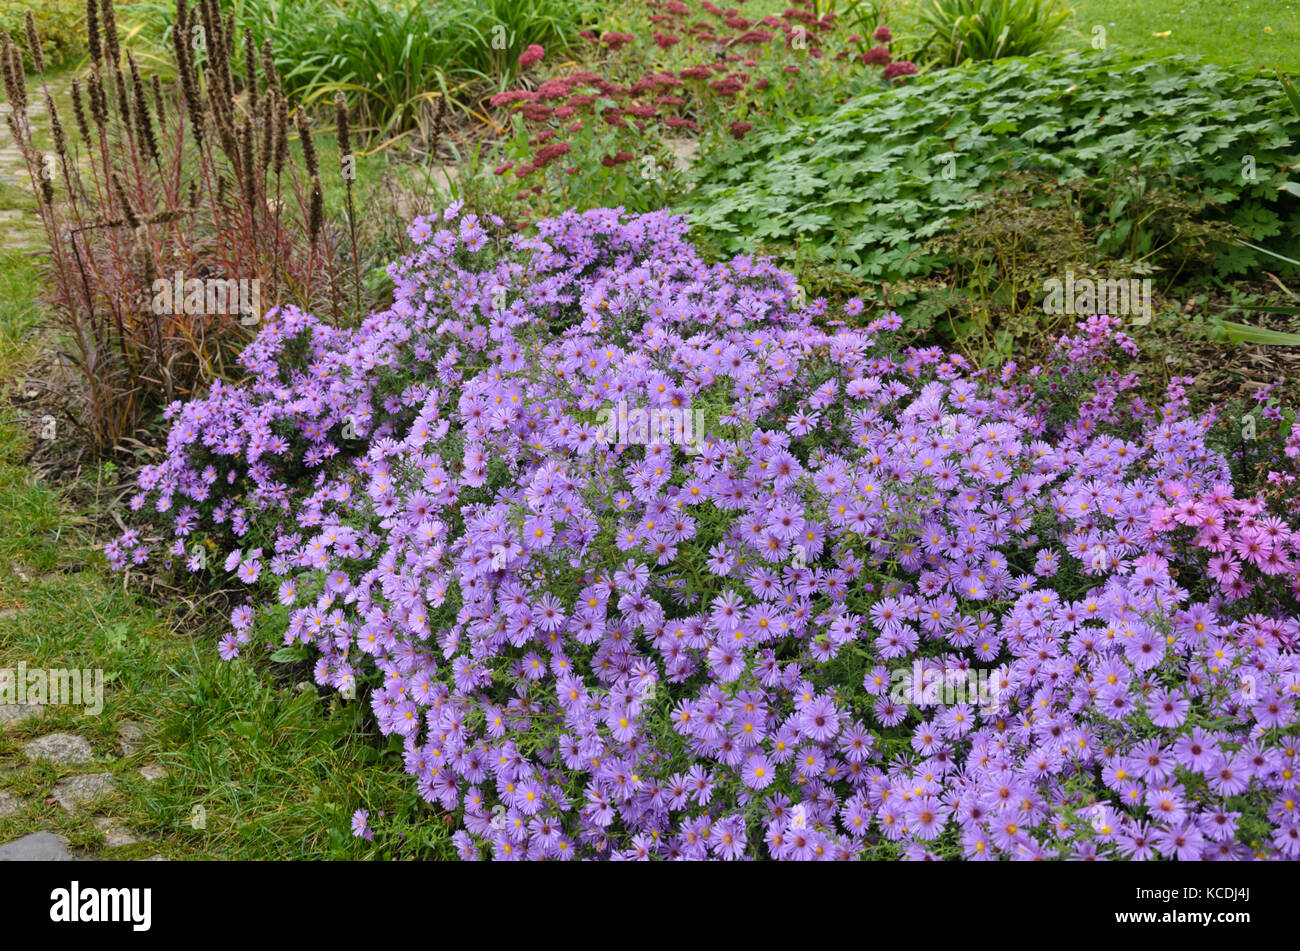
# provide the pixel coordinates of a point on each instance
(594, 641)
(865, 187)
(1029, 231)
(1000, 254)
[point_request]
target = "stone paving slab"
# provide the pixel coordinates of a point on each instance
(62, 748)
(116, 835)
(77, 791)
(13, 714)
(130, 738)
(37, 847)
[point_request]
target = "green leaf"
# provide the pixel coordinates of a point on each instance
(290, 654)
(117, 634)
(1291, 93)
(863, 179)
(1280, 257)
(1243, 333)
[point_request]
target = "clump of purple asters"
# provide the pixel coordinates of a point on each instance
(878, 604)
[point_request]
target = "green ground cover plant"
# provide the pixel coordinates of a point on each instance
(863, 189)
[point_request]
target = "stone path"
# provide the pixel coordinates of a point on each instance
(13, 169)
(20, 229)
(83, 790)
(77, 791)
(12, 714)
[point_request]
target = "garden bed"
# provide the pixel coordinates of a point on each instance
(648, 444)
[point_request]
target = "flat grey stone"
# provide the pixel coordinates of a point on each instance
(12, 714)
(116, 835)
(60, 748)
(37, 847)
(130, 738)
(10, 805)
(152, 772)
(78, 790)
(154, 858)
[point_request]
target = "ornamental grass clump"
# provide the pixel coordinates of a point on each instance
(173, 212)
(869, 602)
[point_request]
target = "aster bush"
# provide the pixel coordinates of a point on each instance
(885, 605)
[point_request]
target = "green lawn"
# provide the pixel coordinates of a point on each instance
(1264, 34)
